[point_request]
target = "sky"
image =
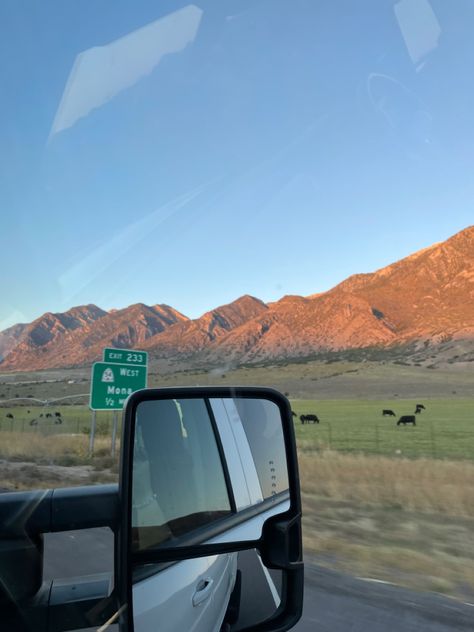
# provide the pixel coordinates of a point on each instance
(187, 154)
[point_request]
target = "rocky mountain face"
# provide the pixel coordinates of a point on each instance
(78, 336)
(422, 301)
(296, 327)
(426, 299)
(9, 338)
(44, 334)
(428, 295)
(195, 337)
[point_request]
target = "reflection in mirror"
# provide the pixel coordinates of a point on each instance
(230, 592)
(178, 478)
(261, 421)
(198, 461)
(260, 591)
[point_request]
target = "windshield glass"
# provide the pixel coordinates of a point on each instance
(256, 193)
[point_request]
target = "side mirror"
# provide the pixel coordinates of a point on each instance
(210, 529)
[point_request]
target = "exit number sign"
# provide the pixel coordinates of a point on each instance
(126, 356)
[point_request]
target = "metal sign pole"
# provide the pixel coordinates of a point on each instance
(114, 433)
(92, 434)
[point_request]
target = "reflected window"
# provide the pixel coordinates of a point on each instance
(178, 479)
(261, 420)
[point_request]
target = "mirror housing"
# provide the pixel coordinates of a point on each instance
(270, 524)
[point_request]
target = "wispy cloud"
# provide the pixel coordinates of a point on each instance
(102, 72)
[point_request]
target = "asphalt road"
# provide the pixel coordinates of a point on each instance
(333, 601)
(340, 603)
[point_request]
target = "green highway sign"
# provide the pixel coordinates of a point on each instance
(111, 384)
(126, 356)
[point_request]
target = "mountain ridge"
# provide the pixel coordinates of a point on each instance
(422, 300)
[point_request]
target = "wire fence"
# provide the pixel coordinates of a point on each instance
(428, 439)
(67, 416)
(71, 416)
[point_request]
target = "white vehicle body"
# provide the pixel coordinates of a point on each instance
(194, 595)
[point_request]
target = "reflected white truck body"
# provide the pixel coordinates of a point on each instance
(193, 595)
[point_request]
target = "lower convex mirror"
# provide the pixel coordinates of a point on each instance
(207, 473)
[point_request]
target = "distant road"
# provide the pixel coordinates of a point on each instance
(334, 602)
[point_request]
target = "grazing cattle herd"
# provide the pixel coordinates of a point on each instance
(34, 422)
(309, 418)
(57, 418)
(404, 420)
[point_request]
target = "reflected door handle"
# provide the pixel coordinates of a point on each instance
(203, 591)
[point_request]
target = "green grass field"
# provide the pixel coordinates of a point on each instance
(444, 430)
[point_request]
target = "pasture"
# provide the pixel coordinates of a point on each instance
(445, 430)
(75, 419)
(375, 501)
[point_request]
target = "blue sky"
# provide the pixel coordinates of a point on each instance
(189, 154)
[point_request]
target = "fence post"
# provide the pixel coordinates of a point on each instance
(377, 439)
(433, 441)
(114, 433)
(92, 434)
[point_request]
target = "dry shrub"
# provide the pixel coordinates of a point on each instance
(54, 448)
(419, 485)
(400, 520)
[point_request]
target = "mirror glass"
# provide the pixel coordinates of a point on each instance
(206, 470)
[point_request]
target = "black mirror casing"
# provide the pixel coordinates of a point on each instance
(280, 544)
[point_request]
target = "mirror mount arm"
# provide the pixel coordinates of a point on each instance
(280, 545)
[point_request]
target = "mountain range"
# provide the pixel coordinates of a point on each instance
(421, 303)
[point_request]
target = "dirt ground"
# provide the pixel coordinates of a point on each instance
(24, 475)
(306, 380)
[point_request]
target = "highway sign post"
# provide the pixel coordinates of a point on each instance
(122, 372)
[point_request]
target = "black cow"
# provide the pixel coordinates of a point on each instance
(419, 408)
(57, 414)
(34, 422)
(49, 415)
(41, 415)
(407, 419)
(293, 414)
(309, 419)
(9, 416)
(58, 420)
(386, 412)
